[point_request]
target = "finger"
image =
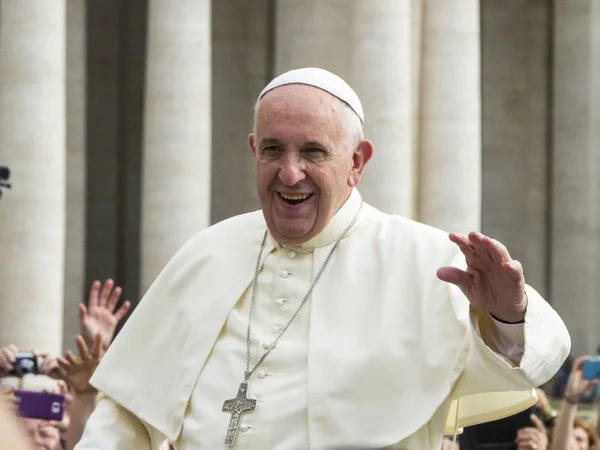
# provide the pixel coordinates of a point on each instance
(514, 270)
(538, 423)
(97, 347)
(12, 353)
(463, 243)
(114, 299)
(82, 312)
(64, 364)
(579, 361)
(476, 241)
(458, 277)
(105, 293)
(82, 348)
(496, 249)
(94, 293)
(73, 360)
(123, 310)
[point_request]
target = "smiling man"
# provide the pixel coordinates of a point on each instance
(321, 322)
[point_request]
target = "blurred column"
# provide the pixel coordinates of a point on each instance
(242, 34)
(32, 143)
(450, 116)
(372, 46)
(516, 111)
(176, 156)
(575, 238)
(76, 168)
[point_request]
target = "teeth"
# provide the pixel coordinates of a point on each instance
(294, 197)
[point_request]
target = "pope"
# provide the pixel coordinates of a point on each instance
(320, 322)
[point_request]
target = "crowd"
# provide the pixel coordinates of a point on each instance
(70, 374)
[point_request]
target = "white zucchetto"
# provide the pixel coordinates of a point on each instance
(321, 79)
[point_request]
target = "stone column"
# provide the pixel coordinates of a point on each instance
(516, 93)
(383, 76)
(32, 143)
(242, 54)
(176, 156)
(76, 168)
(575, 281)
(370, 45)
(450, 110)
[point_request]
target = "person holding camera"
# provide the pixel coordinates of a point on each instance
(570, 432)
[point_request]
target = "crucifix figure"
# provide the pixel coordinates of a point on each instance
(237, 407)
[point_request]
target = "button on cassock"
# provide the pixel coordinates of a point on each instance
(261, 374)
(280, 301)
(284, 273)
(244, 428)
(291, 254)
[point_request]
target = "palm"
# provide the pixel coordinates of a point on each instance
(100, 317)
(493, 281)
(79, 370)
(98, 321)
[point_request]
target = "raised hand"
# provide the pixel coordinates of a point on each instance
(100, 316)
(577, 385)
(532, 438)
(79, 370)
(49, 365)
(493, 280)
(8, 355)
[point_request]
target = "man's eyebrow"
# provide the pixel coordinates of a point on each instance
(266, 141)
(314, 144)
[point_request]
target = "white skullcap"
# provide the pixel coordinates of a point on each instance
(322, 79)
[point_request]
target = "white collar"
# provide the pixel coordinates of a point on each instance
(334, 229)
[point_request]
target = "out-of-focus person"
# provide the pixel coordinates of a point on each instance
(448, 444)
(532, 438)
(12, 430)
(570, 432)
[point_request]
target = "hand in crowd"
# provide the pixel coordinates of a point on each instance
(493, 281)
(100, 315)
(577, 385)
(8, 356)
(532, 438)
(79, 370)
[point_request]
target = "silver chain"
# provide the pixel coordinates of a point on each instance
(273, 344)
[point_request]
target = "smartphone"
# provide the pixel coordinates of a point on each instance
(24, 364)
(591, 369)
(40, 405)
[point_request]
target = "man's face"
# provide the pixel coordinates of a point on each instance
(306, 160)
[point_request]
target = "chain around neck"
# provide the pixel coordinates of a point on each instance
(273, 344)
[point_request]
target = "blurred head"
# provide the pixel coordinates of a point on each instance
(584, 436)
(310, 153)
(42, 433)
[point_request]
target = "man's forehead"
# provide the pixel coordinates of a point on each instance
(319, 79)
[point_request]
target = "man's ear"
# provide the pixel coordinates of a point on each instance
(360, 158)
(252, 143)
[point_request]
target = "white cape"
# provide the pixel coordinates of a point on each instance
(389, 343)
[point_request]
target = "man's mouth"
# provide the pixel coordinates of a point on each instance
(294, 199)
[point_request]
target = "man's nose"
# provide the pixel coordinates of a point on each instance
(292, 172)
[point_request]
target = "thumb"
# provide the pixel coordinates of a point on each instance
(457, 277)
(537, 423)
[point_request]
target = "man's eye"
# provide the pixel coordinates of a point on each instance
(271, 148)
(314, 150)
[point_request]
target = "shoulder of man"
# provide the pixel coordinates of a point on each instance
(399, 230)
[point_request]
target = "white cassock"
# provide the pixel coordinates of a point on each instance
(375, 359)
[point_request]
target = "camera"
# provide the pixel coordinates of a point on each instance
(24, 364)
(4, 177)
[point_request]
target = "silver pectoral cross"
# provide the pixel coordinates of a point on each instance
(237, 407)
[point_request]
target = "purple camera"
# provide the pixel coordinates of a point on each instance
(40, 405)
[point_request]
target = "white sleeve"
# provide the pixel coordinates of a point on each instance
(506, 339)
(112, 427)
